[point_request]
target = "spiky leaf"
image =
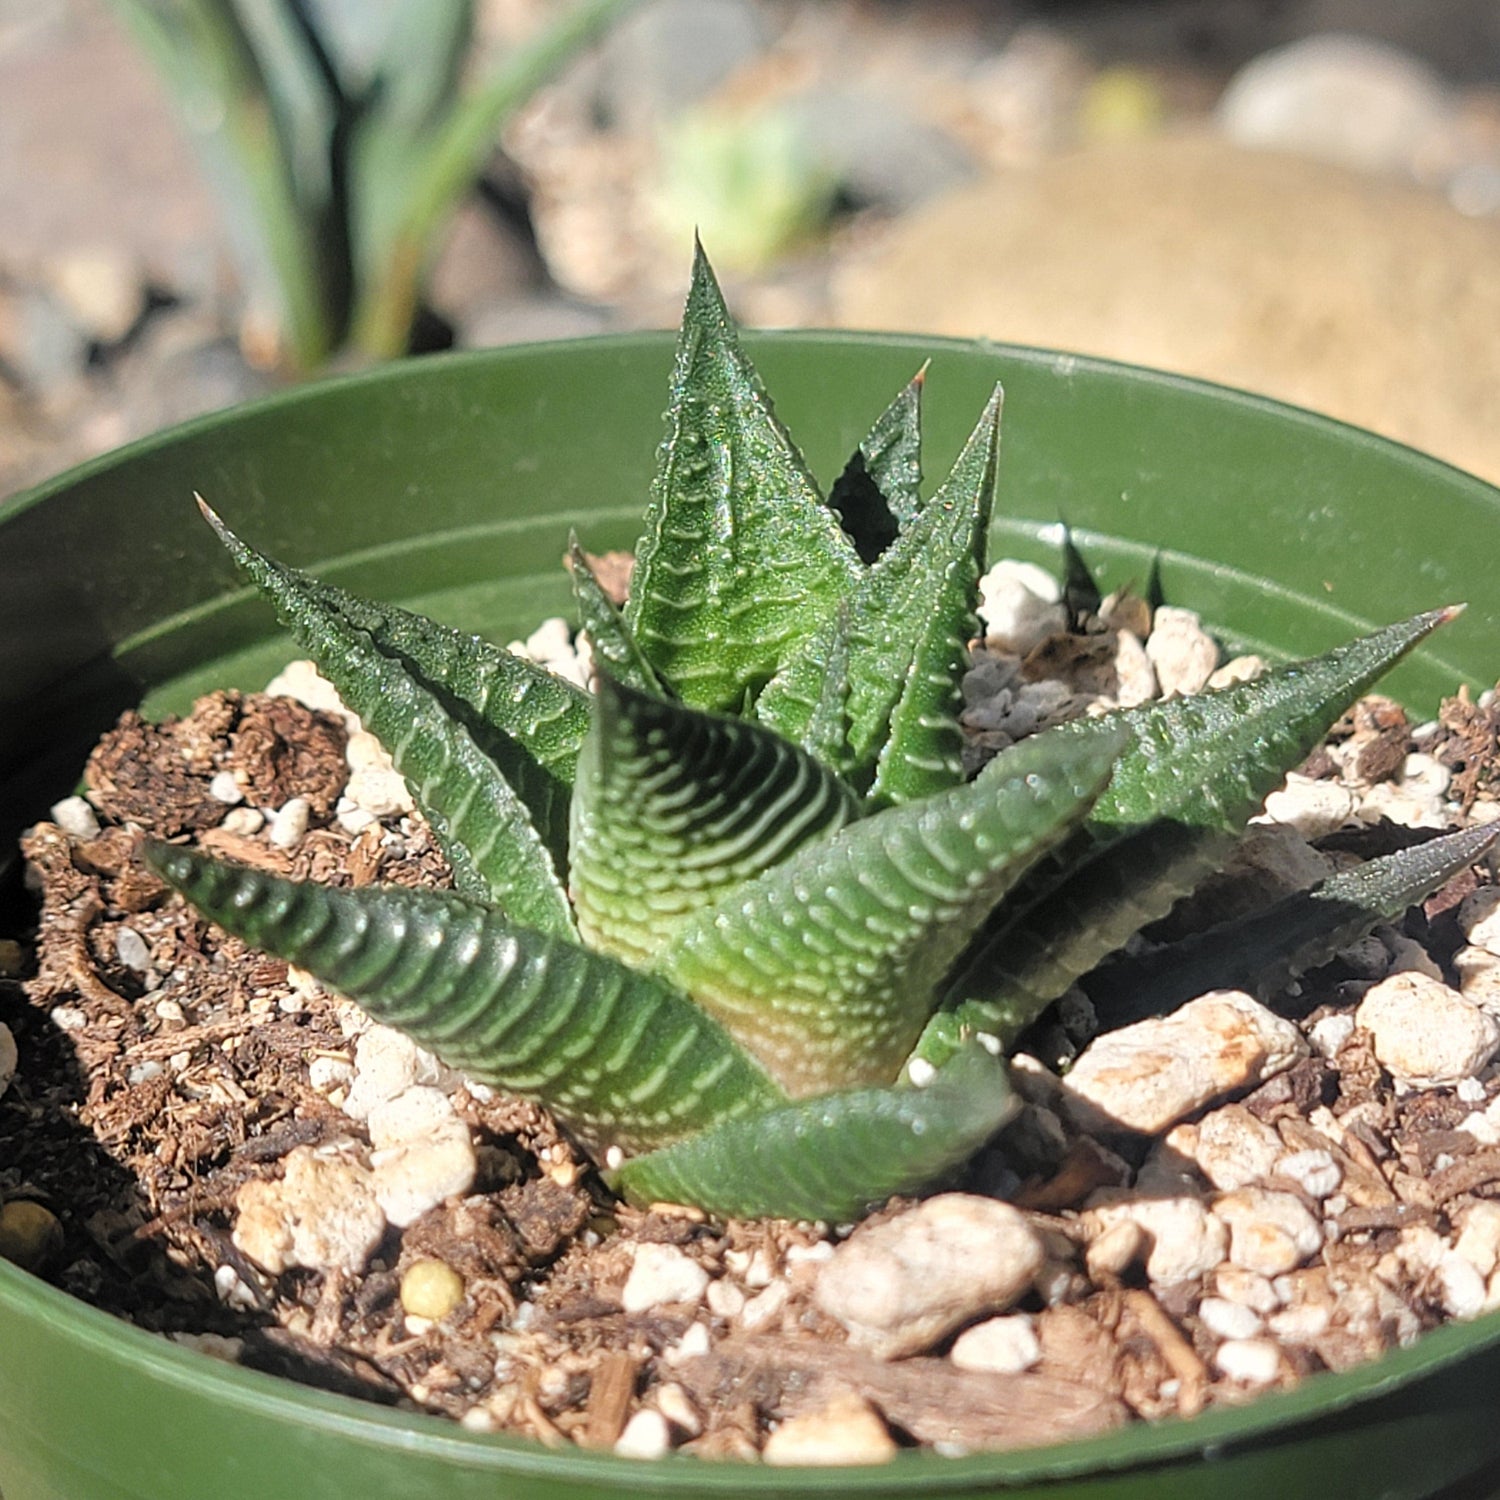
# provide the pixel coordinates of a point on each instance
(1081, 596)
(451, 760)
(613, 644)
(740, 560)
(825, 966)
(909, 620)
(674, 807)
(620, 1056)
(835, 1156)
(1193, 773)
(880, 489)
(1262, 952)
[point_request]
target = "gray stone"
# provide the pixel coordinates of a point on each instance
(1367, 300)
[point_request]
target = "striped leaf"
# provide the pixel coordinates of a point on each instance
(879, 490)
(614, 646)
(825, 967)
(674, 807)
(403, 678)
(1261, 953)
(621, 1057)
(909, 622)
(740, 560)
(832, 1157)
(1194, 772)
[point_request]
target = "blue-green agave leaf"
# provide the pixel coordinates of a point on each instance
(826, 967)
(1260, 953)
(621, 1057)
(674, 807)
(1194, 771)
(740, 560)
(613, 644)
(835, 1156)
(451, 759)
(880, 489)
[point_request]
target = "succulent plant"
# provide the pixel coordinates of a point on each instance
(737, 917)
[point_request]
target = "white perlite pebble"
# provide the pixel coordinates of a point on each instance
(1249, 1361)
(1135, 677)
(765, 1307)
(386, 1064)
(1004, 1346)
(328, 1073)
(662, 1275)
(1425, 1034)
(1186, 1240)
(1479, 918)
(1019, 605)
(1315, 1172)
(245, 821)
(224, 788)
(1231, 1147)
(323, 1214)
(1269, 1232)
(1228, 1320)
(1313, 808)
(302, 680)
(1247, 1288)
(847, 1430)
(9, 1057)
(1479, 1236)
(289, 823)
(1331, 1032)
(900, 1286)
(1148, 1076)
(375, 786)
(131, 950)
(421, 1153)
(1182, 653)
(76, 817)
(645, 1436)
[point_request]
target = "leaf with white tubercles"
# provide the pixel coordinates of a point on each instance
(613, 644)
(740, 560)
(621, 1057)
(825, 967)
(404, 680)
(880, 489)
(1193, 773)
(835, 1156)
(673, 807)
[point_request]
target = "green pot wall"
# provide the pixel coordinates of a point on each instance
(450, 484)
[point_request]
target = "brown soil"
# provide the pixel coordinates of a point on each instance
(147, 1097)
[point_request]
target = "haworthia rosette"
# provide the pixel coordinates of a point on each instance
(487, 832)
(836, 1156)
(825, 967)
(674, 807)
(621, 1057)
(740, 560)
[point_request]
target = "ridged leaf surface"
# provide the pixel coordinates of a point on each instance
(673, 807)
(880, 489)
(832, 1157)
(614, 645)
(450, 759)
(740, 560)
(620, 1056)
(825, 967)
(1194, 771)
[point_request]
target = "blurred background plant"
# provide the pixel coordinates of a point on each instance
(341, 138)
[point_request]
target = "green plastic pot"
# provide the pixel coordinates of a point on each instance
(450, 485)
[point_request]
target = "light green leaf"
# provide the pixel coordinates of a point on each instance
(740, 560)
(835, 1156)
(621, 1057)
(826, 967)
(674, 807)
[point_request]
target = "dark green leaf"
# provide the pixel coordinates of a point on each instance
(405, 684)
(880, 489)
(825, 967)
(1262, 952)
(673, 808)
(740, 561)
(835, 1156)
(1080, 593)
(614, 646)
(621, 1057)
